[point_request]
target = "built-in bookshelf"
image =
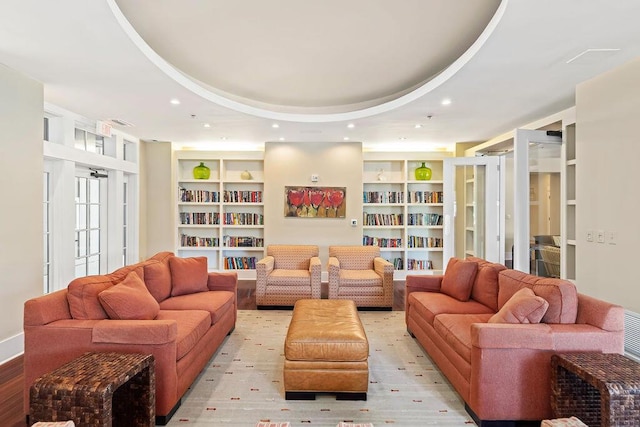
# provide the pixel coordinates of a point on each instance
(570, 240)
(222, 217)
(402, 215)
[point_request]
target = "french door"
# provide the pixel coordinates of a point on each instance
(472, 208)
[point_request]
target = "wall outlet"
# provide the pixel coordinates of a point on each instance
(354, 222)
(589, 235)
(600, 236)
(612, 237)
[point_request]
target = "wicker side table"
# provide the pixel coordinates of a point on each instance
(97, 389)
(600, 389)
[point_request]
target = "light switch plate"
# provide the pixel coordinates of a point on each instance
(314, 178)
(600, 236)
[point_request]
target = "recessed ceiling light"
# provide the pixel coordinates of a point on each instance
(224, 138)
(207, 125)
(403, 138)
(446, 101)
(351, 125)
(346, 138)
(175, 101)
(418, 126)
(275, 126)
(281, 139)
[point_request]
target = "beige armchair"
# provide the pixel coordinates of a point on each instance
(288, 273)
(359, 273)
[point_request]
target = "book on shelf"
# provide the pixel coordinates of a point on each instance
(198, 196)
(206, 218)
(419, 264)
(424, 242)
(382, 219)
(239, 263)
(243, 242)
(429, 219)
(234, 218)
(383, 196)
(199, 242)
(236, 196)
(382, 242)
(425, 197)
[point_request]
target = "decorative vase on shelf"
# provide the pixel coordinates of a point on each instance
(423, 173)
(246, 175)
(201, 171)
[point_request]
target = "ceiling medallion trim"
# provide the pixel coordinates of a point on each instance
(310, 117)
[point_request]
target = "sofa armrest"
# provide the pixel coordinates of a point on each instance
(223, 281)
(333, 267)
(315, 271)
(315, 266)
(512, 336)
(145, 332)
(415, 283)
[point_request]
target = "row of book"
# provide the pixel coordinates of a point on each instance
(425, 197)
(423, 242)
(235, 218)
(382, 219)
(419, 264)
(383, 196)
(198, 196)
(382, 242)
(243, 242)
(424, 219)
(398, 264)
(235, 196)
(209, 218)
(199, 242)
(239, 263)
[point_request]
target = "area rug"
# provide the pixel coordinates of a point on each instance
(243, 385)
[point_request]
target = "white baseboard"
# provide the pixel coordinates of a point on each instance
(11, 347)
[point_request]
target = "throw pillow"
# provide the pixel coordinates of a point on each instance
(129, 300)
(157, 277)
(188, 275)
(523, 307)
(458, 279)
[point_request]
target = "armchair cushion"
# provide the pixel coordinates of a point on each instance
(458, 279)
(523, 307)
(360, 278)
(188, 275)
(284, 277)
(129, 300)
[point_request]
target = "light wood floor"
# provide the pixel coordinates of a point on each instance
(11, 373)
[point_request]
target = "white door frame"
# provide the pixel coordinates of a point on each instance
(493, 252)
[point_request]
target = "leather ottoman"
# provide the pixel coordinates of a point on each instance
(326, 350)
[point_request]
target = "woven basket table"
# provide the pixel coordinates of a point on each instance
(97, 389)
(599, 389)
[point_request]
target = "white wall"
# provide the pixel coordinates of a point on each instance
(291, 164)
(607, 193)
(157, 226)
(21, 192)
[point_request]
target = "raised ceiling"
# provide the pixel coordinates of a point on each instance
(299, 71)
(300, 56)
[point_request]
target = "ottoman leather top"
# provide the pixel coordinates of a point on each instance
(326, 330)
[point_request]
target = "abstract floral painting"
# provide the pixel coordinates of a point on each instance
(315, 202)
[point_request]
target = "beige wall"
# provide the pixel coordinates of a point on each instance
(21, 168)
(291, 164)
(157, 206)
(607, 193)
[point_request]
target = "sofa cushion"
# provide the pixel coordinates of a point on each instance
(82, 294)
(188, 275)
(157, 278)
(129, 300)
(430, 304)
(192, 325)
(458, 278)
(485, 287)
(523, 307)
(455, 329)
(216, 303)
(561, 295)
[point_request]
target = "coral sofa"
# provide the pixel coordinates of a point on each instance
(288, 273)
(492, 332)
(166, 306)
